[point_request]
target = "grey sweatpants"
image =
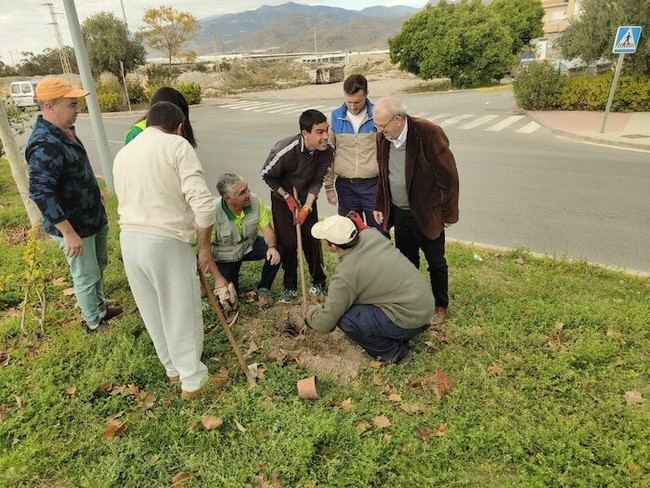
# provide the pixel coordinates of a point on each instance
(163, 278)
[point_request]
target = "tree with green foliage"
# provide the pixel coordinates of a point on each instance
(464, 41)
(522, 18)
(168, 29)
(590, 36)
(46, 63)
(108, 42)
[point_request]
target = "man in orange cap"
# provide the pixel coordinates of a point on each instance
(63, 185)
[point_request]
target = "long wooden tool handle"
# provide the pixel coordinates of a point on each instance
(216, 306)
(301, 265)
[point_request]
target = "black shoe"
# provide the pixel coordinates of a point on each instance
(111, 313)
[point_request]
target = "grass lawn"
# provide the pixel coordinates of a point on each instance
(549, 364)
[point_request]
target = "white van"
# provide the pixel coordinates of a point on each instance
(23, 93)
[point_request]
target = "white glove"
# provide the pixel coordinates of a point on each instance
(227, 297)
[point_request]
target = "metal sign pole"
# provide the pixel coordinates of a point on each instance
(612, 89)
(105, 159)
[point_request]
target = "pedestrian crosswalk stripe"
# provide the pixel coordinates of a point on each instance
(505, 123)
(273, 106)
(247, 104)
(475, 123)
(299, 110)
(455, 120)
(256, 106)
(439, 116)
(235, 104)
(329, 110)
(529, 128)
(421, 115)
(283, 108)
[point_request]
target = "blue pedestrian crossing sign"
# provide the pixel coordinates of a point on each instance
(627, 39)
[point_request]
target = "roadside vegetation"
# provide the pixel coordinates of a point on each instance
(540, 378)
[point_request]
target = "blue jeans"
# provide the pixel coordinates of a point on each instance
(87, 273)
(382, 339)
(358, 195)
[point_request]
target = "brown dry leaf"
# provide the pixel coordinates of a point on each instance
(4, 358)
(495, 369)
(220, 377)
(426, 433)
(442, 383)
(260, 437)
(347, 405)
(633, 397)
(179, 478)
(412, 408)
(69, 291)
(395, 397)
(441, 430)
(118, 390)
(620, 361)
(148, 400)
(19, 403)
(381, 421)
(252, 348)
(520, 261)
(301, 361)
(3, 412)
(512, 357)
(114, 427)
(71, 390)
(362, 426)
(275, 480)
(131, 390)
(59, 282)
(240, 427)
(378, 380)
(376, 364)
(386, 438)
(209, 422)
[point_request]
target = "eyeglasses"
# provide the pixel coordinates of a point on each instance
(382, 127)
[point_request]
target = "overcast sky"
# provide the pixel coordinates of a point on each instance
(24, 25)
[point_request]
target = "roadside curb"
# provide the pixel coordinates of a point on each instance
(580, 137)
(495, 248)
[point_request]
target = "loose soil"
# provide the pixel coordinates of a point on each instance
(277, 334)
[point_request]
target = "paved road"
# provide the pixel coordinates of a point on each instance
(520, 184)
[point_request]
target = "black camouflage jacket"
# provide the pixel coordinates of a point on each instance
(62, 182)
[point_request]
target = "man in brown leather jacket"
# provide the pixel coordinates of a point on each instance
(417, 191)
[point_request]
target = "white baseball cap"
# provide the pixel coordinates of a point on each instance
(336, 229)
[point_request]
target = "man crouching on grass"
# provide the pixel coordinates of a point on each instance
(376, 296)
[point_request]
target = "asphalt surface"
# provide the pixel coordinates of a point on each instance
(521, 186)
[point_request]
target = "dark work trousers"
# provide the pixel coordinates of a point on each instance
(359, 195)
(230, 271)
(285, 232)
(370, 327)
(409, 240)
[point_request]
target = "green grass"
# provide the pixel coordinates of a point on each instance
(571, 340)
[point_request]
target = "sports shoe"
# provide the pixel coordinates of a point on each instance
(318, 290)
(264, 297)
(112, 312)
(288, 296)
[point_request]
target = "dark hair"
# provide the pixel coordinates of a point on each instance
(169, 94)
(354, 83)
(347, 245)
(309, 118)
(165, 115)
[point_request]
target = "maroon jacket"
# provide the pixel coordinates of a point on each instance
(431, 177)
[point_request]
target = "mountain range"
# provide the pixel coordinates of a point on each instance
(294, 27)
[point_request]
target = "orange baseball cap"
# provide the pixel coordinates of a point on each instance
(51, 88)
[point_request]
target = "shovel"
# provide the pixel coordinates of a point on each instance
(301, 264)
(216, 306)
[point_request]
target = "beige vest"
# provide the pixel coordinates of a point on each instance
(229, 246)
